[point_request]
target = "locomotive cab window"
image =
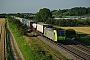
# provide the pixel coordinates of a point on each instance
(60, 33)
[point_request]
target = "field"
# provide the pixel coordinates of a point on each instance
(2, 37)
(79, 29)
(2, 19)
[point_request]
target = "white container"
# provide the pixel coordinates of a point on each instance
(34, 25)
(28, 23)
(20, 19)
(40, 27)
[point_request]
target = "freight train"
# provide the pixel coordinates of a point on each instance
(46, 30)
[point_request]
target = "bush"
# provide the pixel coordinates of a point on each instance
(70, 33)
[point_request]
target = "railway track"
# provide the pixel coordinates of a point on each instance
(79, 51)
(76, 52)
(71, 49)
(80, 47)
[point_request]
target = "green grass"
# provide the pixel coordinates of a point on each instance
(38, 52)
(25, 49)
(42, 50)
(83, 38)
(87, 14)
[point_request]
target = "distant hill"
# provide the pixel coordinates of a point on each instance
(76, 11)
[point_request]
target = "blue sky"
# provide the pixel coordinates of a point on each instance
(33, 6)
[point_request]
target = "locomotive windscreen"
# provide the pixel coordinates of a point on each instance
(60, 33)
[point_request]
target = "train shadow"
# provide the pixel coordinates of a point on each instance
(68, 42)
(82, 35)
(77, 41)
(30, 35)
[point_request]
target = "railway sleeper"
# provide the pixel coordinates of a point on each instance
(77, 53)
(84, 50)
(72, 52)
(84, 56)
(81, 53)
(81, 48)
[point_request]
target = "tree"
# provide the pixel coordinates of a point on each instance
(49, 21)
(43, 15)
(38, 18)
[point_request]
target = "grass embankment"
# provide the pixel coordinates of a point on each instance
(83, 38)
(31, 47)
(9, 54)
(24, 47)
(40, 49)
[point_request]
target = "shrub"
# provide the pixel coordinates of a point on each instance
(70, 33)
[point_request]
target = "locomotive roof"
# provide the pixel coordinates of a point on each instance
(57, 28)
(53, 28)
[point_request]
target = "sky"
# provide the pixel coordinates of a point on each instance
(33, 6)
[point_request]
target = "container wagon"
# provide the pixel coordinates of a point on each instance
(29, 23)
(20, 19)
(40, 27)
(23, 21)
(34, 26)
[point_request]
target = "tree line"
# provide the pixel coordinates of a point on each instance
(24, 16)
(68, 22)
(76, 11)
(45, 15)
(2, 16)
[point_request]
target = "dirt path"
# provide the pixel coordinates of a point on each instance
(2, 38)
